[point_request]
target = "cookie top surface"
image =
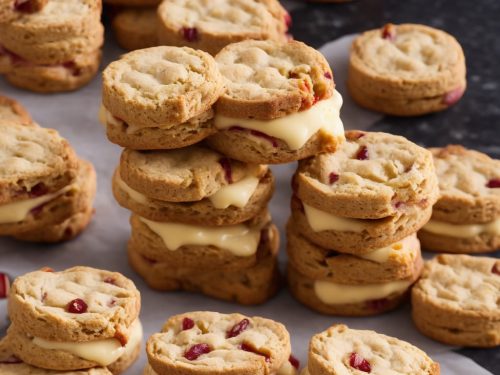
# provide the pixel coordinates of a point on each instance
(161, 85)
(407, 52)
(213, 343)
(382, 172)
(13, 112)
(80, 303)
(270, 79)
(462, 284)
(223, 17)
(467, 179)
(50, 13)
(341, 350)
(29, 155)
(182, 175)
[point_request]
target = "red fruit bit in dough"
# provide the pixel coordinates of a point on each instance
(389, 32)
(26, 6)
(226, 165)
(46, 269)
(110, 280)
(294, 361)
(4, 285)
(77, 306)
(378, 304)
(288, 20)
(362, 153)
(453, 96)
(190, 34)
(328, 75)
(333, 177)
(187, 323)
(194, 352)
(238, 328)
(359, 363)
(38, 190)
(496, 269)
(493, 183)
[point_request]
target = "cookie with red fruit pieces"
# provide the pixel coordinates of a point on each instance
(82, 197)
(466, 218)
(11, 365)
(457, 300)
(38, 169)
(210, 26)
(204, 342)
(136, 28)
(56, 315)
(12, 111)
(193, 185)
(280, 104)
(342, 350)
(406, 70)
(248, 286)
(160, 98)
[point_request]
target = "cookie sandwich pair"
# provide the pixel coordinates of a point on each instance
(77, 321)
(46, 191)
(352, 244)
(50, 45)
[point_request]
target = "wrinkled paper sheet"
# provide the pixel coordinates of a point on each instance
(103, 244)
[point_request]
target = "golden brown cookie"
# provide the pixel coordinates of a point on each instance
(13, 112)
(406, 70)
(457, 300)
(136, 28)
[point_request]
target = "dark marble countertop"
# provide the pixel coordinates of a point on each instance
(475, 120)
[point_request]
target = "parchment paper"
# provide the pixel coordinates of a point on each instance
(103, 244)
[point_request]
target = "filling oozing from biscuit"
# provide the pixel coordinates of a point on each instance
(237, 194)
(16, 212)
(462, 230)
(103, 352)
(295, 129)
(320, 221)
(338, 294)
(406, 247)
(241, 240)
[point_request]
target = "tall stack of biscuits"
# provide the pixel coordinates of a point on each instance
(78, 319)
(46, 191)
(352, 242)
(199, 219)
(50, 45)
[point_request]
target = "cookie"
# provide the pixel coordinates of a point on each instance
(214, 343)
(71, 227)
(211, 26)
(133, 3)
(231, 204)
(372, 176)
(466, 217)
(202, 247)
(188, 133)
(39, 217)
(251, 286)
(182, 175)
(33, 161)
(280, 104)
(356, 236)
(457, 301)
(11, 365)
(13, 112)
(67, 76)
(136, 28)
(341, 350)
(406, 70)
(161, 87)
(398, 261)
(348, 300)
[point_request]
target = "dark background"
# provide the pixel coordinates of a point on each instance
(475, 120)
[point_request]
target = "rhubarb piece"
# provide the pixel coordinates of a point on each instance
(333, 177)
(453, 96)
(493, 183)
(194, 352)
(389, 32)
(238, 328)
(4, 285)
(226, 165)
(359, 363)
(187, 323)
(294, 362)
(190, 34)
(362, 153)
(77, 306)
(496, 269)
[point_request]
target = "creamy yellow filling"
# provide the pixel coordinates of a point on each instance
(406, 247)
(320, 221)
(295, 129)
(16, 212)
(240, 240)
(462, 230)
(336, 294)
(103, 352)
